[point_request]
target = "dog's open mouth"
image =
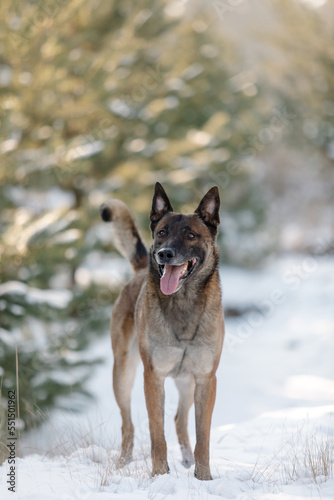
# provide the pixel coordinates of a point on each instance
(171, 276)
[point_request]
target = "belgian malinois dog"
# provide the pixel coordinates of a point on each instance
(170, 314)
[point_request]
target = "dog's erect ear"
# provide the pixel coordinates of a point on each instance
(208, 209)
(160, 206)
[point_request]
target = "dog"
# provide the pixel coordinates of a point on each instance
(170, 315)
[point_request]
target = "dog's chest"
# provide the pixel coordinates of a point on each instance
(172, 357)
(182, 338)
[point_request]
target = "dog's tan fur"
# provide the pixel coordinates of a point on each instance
(179, 335)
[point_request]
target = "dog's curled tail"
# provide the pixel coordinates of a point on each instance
(126, 235)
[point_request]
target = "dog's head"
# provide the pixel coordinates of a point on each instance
(182, 242)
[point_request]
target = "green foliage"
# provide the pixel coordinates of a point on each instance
(306, 82)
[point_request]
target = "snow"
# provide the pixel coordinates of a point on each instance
(86, 149)
(98, 268)
(120, 108)
(54, 298)
(39, 201)
(272, 423)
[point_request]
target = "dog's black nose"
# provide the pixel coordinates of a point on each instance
(166, 255)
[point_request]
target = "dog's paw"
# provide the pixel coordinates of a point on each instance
(202, 473)
(122, 461)
(160, 469)
(187, 463)
(187, 458)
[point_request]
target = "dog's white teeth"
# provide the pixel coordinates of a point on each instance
(184, 270)
(163, 271)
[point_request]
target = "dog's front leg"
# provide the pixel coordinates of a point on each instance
(155, 399)
(205, 395)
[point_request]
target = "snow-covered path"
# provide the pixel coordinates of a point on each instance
(273, 415)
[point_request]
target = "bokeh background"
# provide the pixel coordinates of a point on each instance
(102, 99)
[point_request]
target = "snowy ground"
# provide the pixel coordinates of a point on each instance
(272, 426)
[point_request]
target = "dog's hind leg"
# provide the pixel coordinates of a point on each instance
(126, 359)
(186, 388)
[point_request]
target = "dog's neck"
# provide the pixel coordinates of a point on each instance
(185, 319)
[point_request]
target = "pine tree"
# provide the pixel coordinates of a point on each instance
(99, 99)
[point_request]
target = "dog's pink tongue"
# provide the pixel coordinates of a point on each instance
(170, 280)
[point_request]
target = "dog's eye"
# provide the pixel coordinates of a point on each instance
(162, 232)
(191, 236)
